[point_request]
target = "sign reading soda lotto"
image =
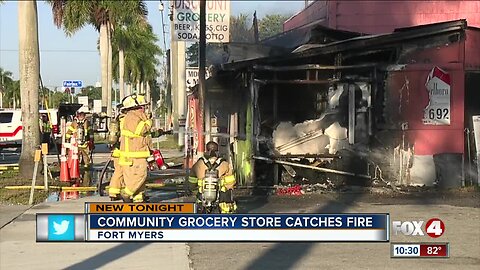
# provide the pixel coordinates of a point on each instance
(187, 20)
(437, 111)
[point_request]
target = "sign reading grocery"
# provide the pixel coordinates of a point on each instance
(187, 20)
(438, 110)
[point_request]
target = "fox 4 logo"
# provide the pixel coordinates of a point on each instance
(434, 227)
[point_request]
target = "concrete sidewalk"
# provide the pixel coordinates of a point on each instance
(18, 249)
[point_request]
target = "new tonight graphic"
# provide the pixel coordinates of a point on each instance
(257, 227)
(266, 221)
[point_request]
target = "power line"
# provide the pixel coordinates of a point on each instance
(48, 50)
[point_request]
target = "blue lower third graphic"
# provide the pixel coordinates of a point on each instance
(61, 227)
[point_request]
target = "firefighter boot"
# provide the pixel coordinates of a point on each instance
(227, 208)
(139, 198)
(116, 197)
(114, 194)
(126, 198)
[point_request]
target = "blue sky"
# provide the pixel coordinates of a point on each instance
(76, 57)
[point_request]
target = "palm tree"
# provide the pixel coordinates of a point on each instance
(103, 15)
(123, 40)
(139, 57)
(12, 96)
(6, 83)
(29, 65)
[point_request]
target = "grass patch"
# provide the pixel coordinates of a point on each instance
(8, 196)
(169, 143)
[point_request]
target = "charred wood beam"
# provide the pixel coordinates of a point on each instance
(293, 164)
(298, 81)
(307, 82)
(311, 67)
(306, 156)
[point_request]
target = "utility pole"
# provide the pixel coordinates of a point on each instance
(178, 82)
(201, 75)
(174, 70)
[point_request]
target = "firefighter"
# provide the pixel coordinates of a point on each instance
(227, 179)
(135, 145)
(116, 182)
(84, 137)
(45, 129)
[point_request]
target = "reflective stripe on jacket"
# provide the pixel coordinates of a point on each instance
(227, 179)
(135, 141)
(72, 129)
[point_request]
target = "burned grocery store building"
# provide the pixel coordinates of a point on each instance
(351, 107)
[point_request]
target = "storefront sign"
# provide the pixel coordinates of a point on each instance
(438, 110)
(187, 20)
(192, 76)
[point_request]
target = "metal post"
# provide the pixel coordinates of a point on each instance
(45, 165)
(351, 113)
(276, 168)
(174, 73)
(201, 73)
(181, 90)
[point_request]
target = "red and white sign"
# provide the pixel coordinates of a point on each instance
(438, 110)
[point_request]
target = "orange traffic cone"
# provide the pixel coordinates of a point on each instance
(74, 169)
(64, 174)
(70, 158)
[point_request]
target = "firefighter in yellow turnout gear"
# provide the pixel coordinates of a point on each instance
(117, 181)
(135, 145)
(225, 173)
(84, 136)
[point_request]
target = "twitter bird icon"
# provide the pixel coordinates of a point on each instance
(61, 228)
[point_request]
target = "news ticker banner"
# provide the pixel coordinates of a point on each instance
(177, 222)
(420, 250)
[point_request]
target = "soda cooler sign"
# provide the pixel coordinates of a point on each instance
(438, 110)
(187, 20)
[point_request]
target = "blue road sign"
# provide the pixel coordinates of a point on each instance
(72, 83)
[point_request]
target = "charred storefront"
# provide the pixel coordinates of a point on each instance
(350, 108)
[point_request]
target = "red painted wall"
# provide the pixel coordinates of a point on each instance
(408, 97)
(384, 16)
(315, 11)
(429, 139)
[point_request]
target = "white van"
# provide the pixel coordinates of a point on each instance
(11, 128)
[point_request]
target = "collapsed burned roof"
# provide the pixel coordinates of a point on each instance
(451, 31)
(312, 33)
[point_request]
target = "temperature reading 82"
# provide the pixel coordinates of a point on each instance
(433, 250)
(439, 113)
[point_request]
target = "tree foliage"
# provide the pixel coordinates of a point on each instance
(241, 31)
(271, 25)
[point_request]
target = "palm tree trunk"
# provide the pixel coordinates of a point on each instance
(104, 63)
(29, 64)
(147, 94)
(121, 70)
(138, 87)
(142, 88)
(109, 70)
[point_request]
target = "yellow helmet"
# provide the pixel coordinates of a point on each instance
(133, 101)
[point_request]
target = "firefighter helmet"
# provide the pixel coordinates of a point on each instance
(133, 101)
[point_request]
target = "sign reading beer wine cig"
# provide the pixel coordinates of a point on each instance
(186, 20)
